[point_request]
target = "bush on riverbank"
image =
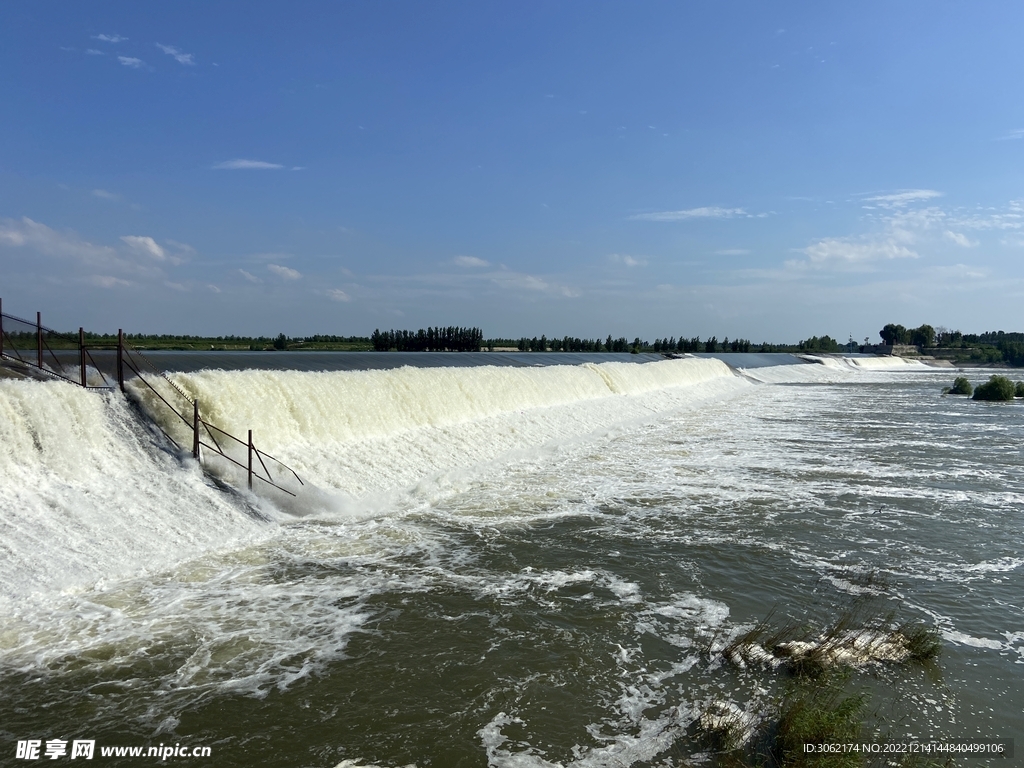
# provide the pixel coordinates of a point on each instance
(997, 388)
(961, 386)
(1019, 389)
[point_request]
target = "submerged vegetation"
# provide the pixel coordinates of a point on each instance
(961, 386)
(811, 684)
(997, 388)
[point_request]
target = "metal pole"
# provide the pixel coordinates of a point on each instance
(39, 339)
(195, 430)
(120, 359)
(250, 459)
(81, 353)
(1, 327)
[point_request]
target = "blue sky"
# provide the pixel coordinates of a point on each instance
(763, 170)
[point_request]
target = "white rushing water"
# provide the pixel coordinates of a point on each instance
(475, 542)
(90, 494)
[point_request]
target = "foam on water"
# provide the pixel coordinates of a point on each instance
(86, 495)
(353, 434)
(620, 525)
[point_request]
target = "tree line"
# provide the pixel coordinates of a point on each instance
(988, 347)
(458, 339)
(448, 339)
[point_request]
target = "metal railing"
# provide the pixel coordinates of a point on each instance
(35, 348)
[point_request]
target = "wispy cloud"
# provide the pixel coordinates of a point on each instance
(131, 61)
(626, 260)
(183, 247)
(49, 242)
(285, 273)
(249, 276)
(181, 58)
(110, 38)
(833, 251)
(146, 246)
(94, 52)
(336, 294)
(246, 165)
(470, 261)
(105, 195)
(107, 281)
(962, 271)
(732, 252)
(709, 212)
(71, 249)
(903, 197)
(958, 238)
(1017, 133)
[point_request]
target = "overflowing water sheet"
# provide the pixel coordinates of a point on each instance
(503, 567)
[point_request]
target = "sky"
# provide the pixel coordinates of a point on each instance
(768, 171)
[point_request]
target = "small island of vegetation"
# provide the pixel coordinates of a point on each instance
(997, 389)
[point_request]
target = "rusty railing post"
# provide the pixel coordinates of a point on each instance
(195, 429)
(39, 339)
(120, 359)
(81, 353)
(250, 459)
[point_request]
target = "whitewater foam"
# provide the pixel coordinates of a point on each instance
(87, 495)
(353, 434)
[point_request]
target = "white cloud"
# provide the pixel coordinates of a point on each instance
(145, 245)
(844, 251)
(284, 272)
(962, 271)
(250, 277)
(183, 247)
(958, 238)
(336, 294)
(181, 58)
(110, 38)
(49, 242)
(130, 61)
(94, 52)
(712, 212)
(1017, 133)
(102, 193)
(106, 281)
(470, 261)
(629, 261)
(242, 165)
(732, 252)
(213, 288)
(903, 197)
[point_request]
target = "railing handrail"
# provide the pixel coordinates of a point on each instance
(129, 360)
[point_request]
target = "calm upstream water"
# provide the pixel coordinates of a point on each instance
(501, 567)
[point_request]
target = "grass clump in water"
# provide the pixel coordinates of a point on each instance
(998, 389)
(921, 641)
(1018, 390)
(819, 713)
(961, 386)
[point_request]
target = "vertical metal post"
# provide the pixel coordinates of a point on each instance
(120, 359)
(1, 327)
(250, 459)
(39, 339)
(81, 353)
(195, 430)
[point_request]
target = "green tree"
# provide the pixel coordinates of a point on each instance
(997, 388)
(281, 342)
(924, 336)
(961, 386)
(893, 333)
